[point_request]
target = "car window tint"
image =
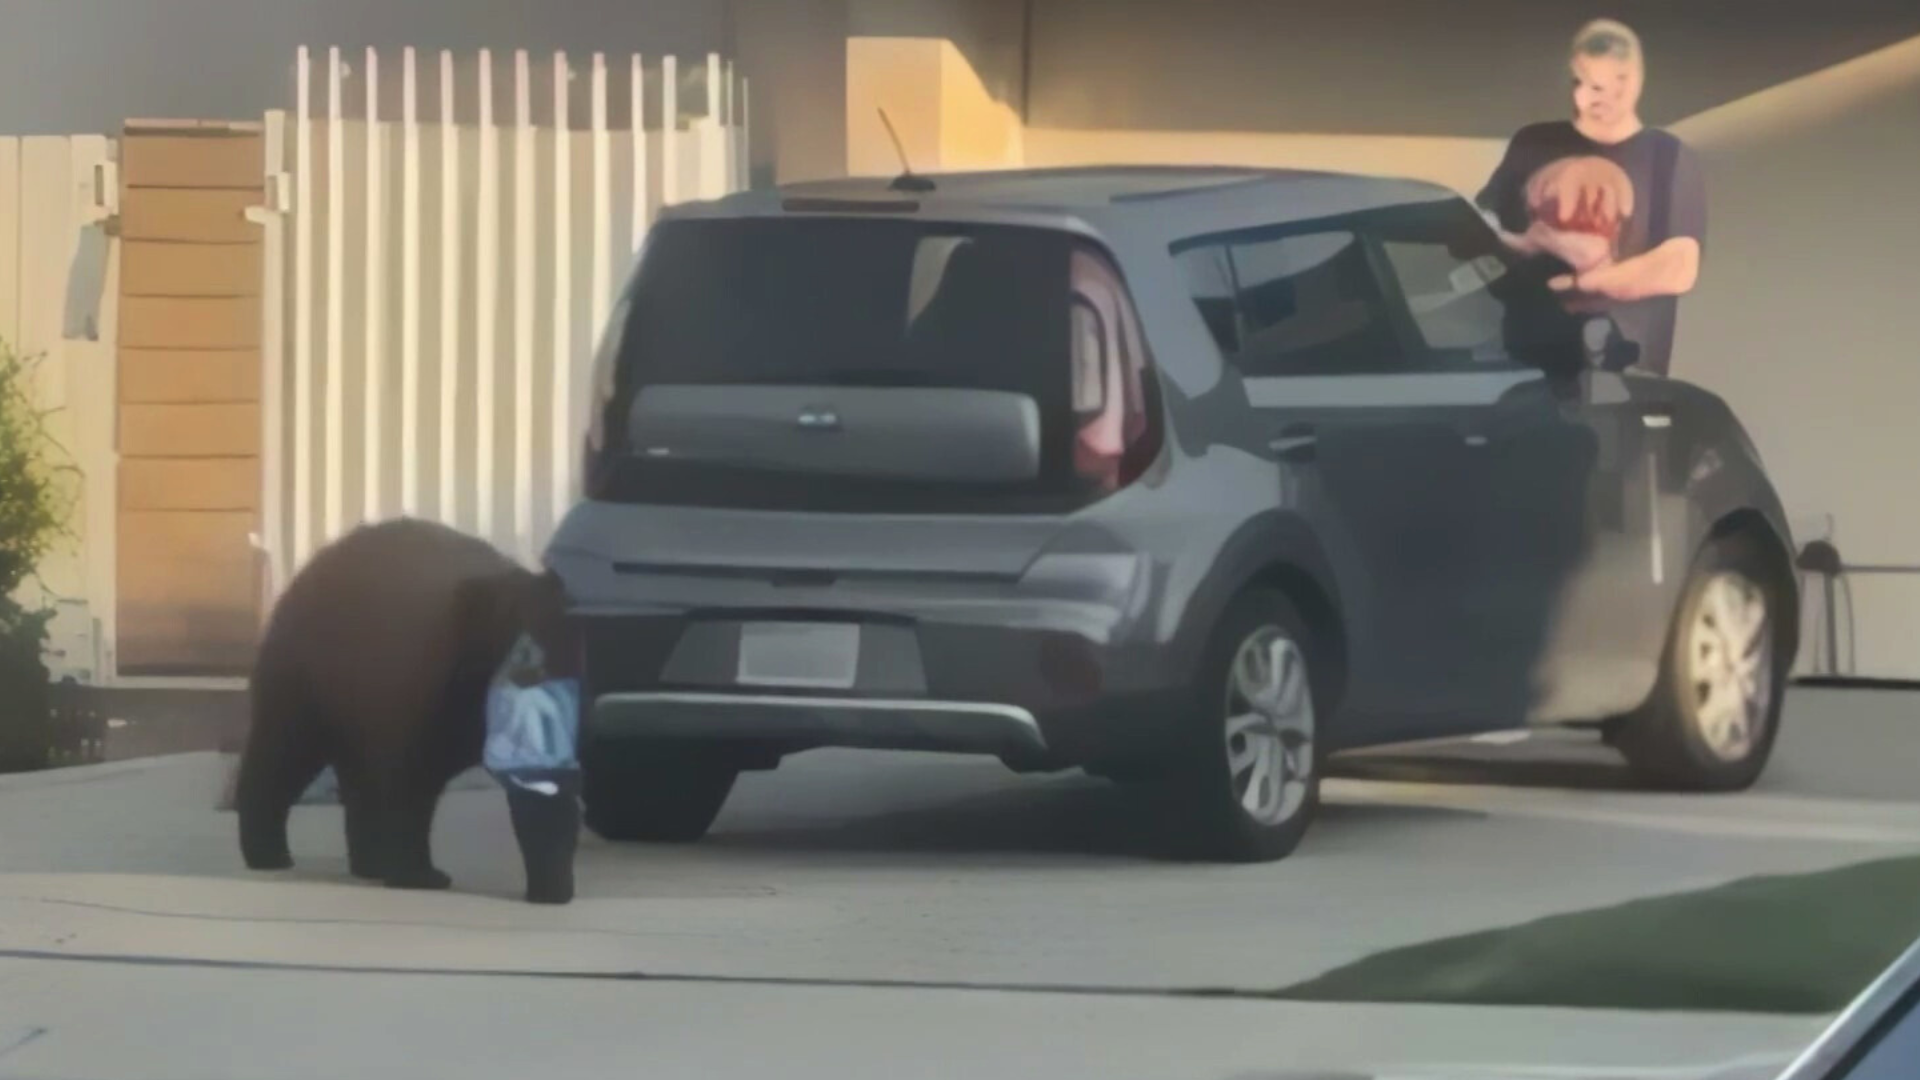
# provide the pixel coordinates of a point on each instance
(1308, 305)
(1448, 299)
(1209, 277)
(1470, 305)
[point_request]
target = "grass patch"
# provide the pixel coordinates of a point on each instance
(1800, 943)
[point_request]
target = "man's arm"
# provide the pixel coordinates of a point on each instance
(1577, 250)
(1519, 243)
(1672, 266)
(1668, 270)
(1500, 197)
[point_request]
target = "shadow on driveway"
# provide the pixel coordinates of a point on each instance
(1061, 816)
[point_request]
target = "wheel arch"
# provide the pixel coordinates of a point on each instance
(1274, 551)
(1323, 618)
(1755, 526)
(1727, 484)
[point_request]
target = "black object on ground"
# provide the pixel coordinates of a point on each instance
(548, 829)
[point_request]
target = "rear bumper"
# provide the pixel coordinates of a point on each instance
(1028, 638)
(1033, 695)
(872, 723)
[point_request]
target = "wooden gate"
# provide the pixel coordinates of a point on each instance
(189, 399)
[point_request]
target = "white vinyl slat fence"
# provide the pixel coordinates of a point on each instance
(271, 217)
(336, 294)
(373, 279)
(409, 279)
(449, 271)
(524, 256)
(486, 268)
(375, 291)
(560, 401)
(450, 263)
(301, 294)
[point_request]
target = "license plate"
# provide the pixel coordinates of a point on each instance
(816, 655)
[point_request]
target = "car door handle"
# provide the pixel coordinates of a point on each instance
(1475, 440)
(1295, 443)
(1657, 418)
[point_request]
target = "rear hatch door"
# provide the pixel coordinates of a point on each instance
(842, 364)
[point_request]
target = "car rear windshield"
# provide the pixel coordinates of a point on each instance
(835, 302)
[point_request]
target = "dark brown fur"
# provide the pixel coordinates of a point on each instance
(376, 661)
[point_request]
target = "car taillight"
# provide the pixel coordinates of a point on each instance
(1113, 441)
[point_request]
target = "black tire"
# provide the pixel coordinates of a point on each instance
(1211, 823)
(651, 792)
(1667, 742)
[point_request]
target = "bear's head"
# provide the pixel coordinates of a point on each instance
(497, 610)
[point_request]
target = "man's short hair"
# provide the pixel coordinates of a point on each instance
(1608, 38)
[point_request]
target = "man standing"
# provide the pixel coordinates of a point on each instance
(1621, 204)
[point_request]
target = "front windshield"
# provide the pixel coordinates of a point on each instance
(708, 539)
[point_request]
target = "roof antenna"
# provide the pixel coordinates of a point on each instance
(908, 180)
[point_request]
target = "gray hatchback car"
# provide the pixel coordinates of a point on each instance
(1184, 477)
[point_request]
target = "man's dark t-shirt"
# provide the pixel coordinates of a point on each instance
(1669, 200)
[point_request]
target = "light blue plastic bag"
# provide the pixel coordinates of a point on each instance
(533, 729)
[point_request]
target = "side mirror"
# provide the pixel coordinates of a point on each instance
(1605, 348)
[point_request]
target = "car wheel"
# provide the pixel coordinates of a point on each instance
(1250, 774)
(653, 792)
(1711, 721)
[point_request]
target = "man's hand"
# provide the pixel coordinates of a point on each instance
(1668, 270)
(1582, 251)
(1579, 296)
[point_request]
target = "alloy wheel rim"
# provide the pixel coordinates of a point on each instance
(1269, 727)
(1730, 665)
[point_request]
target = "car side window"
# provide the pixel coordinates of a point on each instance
(1308, 305)
(1303, 303)
(1455, 287)
(1209, 275)
(1447, 297)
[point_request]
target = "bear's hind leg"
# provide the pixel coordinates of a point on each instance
(282, 757)
(366, 821)
(410, 801)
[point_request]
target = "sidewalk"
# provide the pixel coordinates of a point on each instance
(112, 1022)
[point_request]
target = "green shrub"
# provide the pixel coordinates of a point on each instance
(35, 500)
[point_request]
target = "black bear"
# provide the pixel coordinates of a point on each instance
(378, 661)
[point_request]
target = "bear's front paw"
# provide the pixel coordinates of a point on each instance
(424, 878)
(558, 891)
(280, 860)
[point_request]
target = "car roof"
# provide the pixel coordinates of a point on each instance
(1168, 201)
(1104, 185)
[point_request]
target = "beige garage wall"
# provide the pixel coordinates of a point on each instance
(795, 53)
(950, 73)
(48, 197)
(946, 118)
(1807, 317)
(1460, 163)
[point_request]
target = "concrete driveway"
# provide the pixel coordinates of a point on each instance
(908, 906)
